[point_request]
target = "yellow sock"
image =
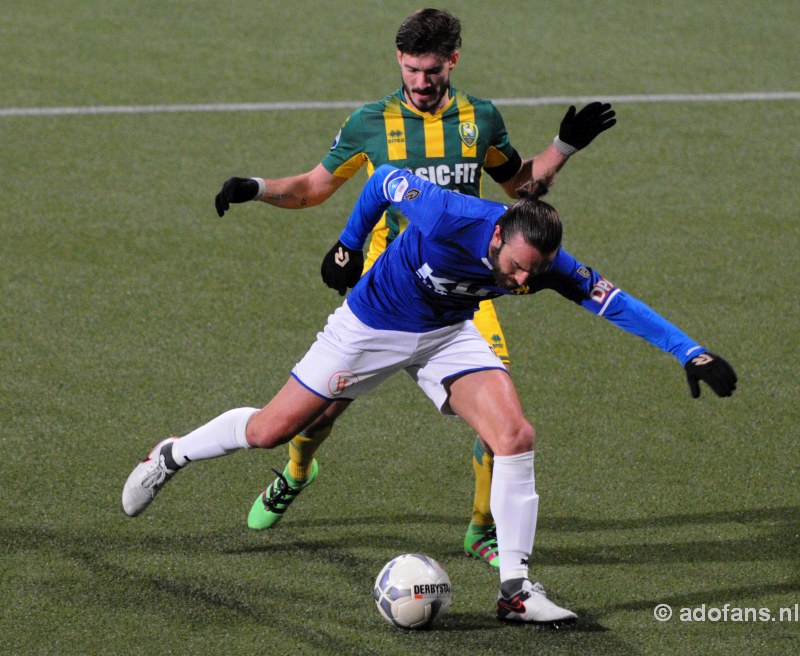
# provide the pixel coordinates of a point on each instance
(302, 449)
(482, 462)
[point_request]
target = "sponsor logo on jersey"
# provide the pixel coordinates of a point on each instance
(340, 381)
(412, 194)
(583, 272)
(445, 286)
(444, 175)
(468, 132)
(336, 139)
(601, 290)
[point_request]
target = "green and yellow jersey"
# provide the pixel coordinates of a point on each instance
(452, 148)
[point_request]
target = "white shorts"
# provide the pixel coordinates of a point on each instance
(349, 358)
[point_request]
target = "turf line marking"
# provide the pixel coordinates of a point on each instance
(296, 106)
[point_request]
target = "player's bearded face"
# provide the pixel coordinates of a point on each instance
(515, 261)
(501, 278)
(426, 80)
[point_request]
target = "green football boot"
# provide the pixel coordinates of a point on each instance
(481, 543)
(270, 505)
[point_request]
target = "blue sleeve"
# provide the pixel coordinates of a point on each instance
(637, 318)
(369, 208)
(423, 203)
(599, 296)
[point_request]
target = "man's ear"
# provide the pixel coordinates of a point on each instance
(497, 239)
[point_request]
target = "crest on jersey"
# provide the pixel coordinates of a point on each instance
(468, 131)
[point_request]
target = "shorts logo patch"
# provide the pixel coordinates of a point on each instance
(340, 381)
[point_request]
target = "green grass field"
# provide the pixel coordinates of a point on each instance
(130, 312)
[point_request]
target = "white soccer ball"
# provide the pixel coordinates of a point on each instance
(412, 590)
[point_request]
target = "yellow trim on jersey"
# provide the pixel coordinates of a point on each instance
(434, 136)
(349, 168)
(466, 114)
(377, 244)
(494, 158)
(395, 130)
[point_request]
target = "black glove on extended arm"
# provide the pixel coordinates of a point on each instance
(714, 370)
(341, 267)
(578, 129)
(238, 190)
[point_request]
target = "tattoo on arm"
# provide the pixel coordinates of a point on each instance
(286, 199)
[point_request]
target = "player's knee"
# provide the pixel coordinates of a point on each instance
(519, 438)
(263, 435)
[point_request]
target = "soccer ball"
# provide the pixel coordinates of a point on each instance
(412, 590)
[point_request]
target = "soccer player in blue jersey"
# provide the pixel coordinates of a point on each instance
(446, 136)
(413, 311)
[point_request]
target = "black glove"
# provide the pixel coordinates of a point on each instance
(235, 190)
(579, 129)
(341, 267)
(715, 371)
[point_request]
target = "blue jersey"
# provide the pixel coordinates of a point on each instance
(438, 270)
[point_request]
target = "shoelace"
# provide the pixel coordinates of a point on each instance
(280, 492)
(158, 476)
(491, 535)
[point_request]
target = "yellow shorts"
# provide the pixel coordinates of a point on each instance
(485, 318)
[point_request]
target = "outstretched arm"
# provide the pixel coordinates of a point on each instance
(294, 192)
(578, 129)
(601, 297)
(699, 364)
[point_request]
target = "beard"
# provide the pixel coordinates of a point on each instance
(432, 101)
(501, 279)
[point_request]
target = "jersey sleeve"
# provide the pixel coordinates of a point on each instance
(599, 296)
(502, 159)
(346, 154)
(371, 204)
(425, 204)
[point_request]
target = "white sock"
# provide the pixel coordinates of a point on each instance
(219, 437)
(515, 506)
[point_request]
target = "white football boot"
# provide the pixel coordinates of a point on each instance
(522, 601)
(146, 480)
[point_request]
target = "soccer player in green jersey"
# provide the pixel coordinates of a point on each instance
(443, 135)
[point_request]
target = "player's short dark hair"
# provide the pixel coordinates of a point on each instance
(429, 31)
(537, 221)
